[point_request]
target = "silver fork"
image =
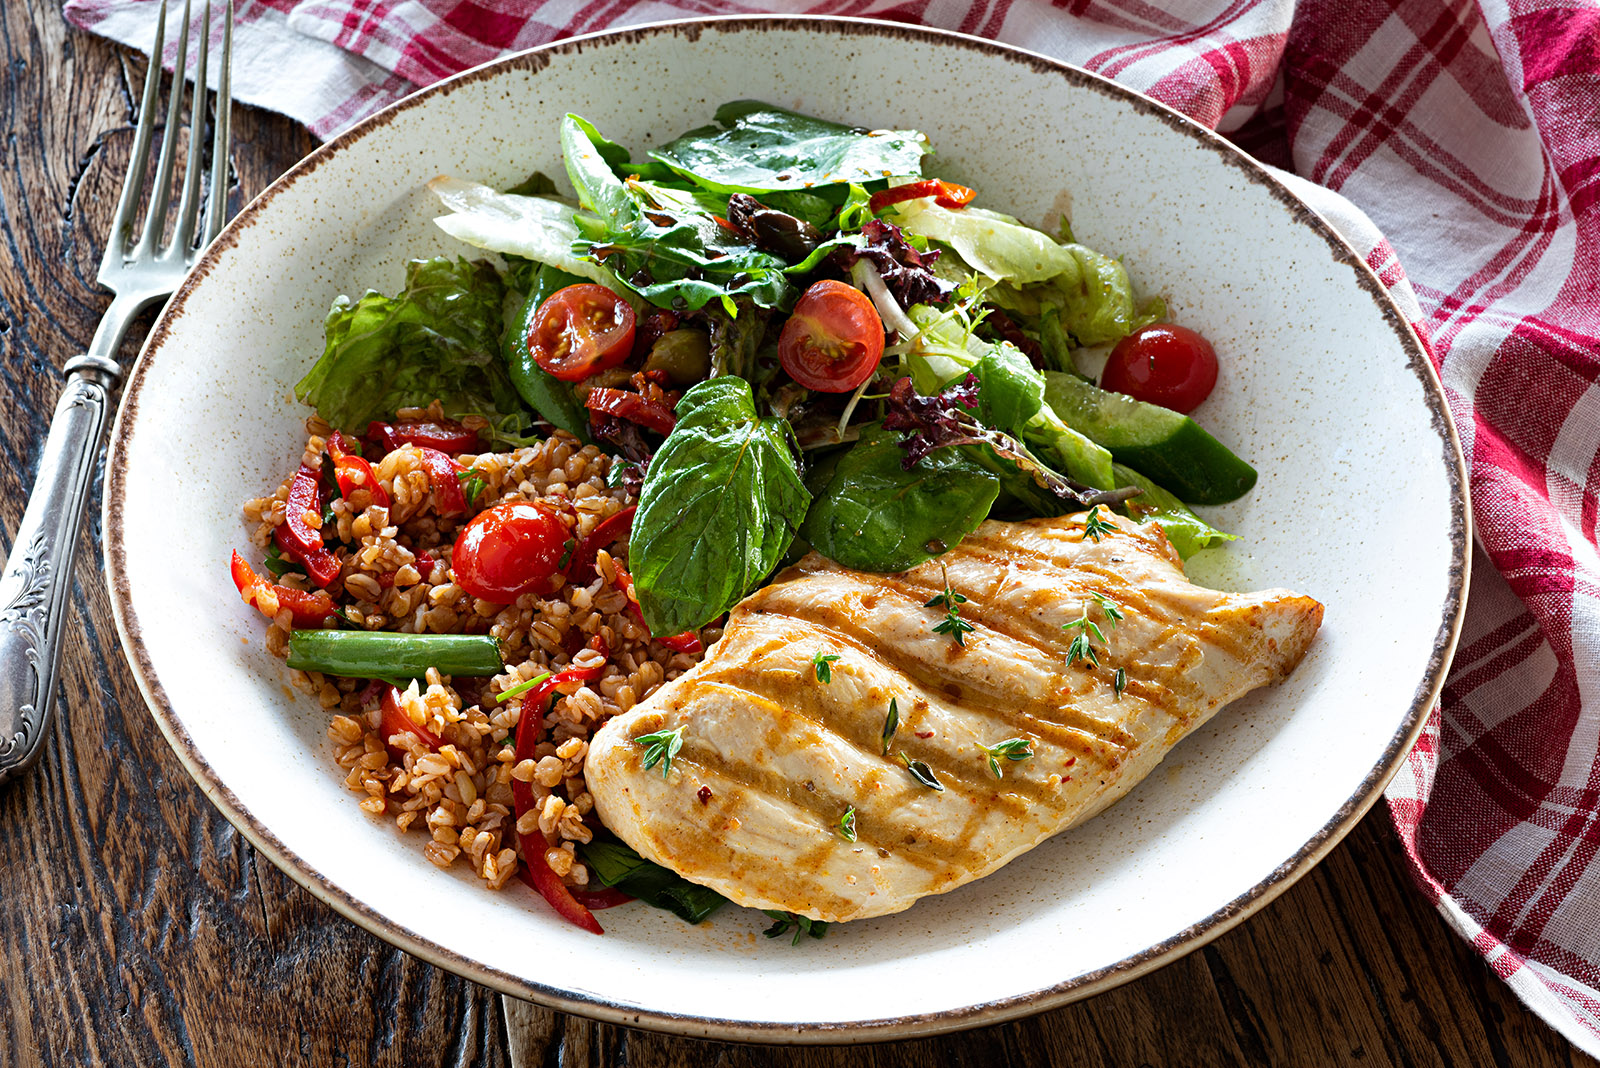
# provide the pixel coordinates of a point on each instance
(139, 269)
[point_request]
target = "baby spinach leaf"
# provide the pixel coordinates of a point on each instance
(439, 337)
(616, 864)
(871, 514)
(756, 148)
(721, 501)
(1012, 392)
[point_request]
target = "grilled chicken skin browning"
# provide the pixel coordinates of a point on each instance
(773, 758)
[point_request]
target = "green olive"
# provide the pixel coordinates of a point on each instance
(684, 354)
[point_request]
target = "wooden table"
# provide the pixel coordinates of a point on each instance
(137, 926)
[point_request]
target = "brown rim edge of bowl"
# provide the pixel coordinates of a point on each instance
(917, 1025)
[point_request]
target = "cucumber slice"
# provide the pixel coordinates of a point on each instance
(1161, 444)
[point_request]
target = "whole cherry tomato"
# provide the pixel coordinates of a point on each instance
(509, 550)
(1163, 364)
(834, 340)
(581, 330)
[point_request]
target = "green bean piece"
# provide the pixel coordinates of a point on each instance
(393, 657)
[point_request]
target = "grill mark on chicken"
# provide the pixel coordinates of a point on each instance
(811, 707)
(733, 781)
(1063, 723)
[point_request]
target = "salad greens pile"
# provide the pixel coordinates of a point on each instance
(977, 409)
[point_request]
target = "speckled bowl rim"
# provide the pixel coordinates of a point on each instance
(921, 1025)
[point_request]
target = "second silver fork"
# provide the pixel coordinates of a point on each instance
(139, 269)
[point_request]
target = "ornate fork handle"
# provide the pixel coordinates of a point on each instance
(38, 573)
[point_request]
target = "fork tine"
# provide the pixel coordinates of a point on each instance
(138, 163)
(189, 205)
(161, 192)
(222, 137)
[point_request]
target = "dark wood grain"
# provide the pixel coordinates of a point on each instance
(137, 927)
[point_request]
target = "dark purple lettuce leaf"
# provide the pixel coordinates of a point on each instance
(905, 271)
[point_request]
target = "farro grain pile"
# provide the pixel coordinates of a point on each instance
(396, 576)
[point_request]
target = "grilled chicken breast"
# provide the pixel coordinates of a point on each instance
(773, 758)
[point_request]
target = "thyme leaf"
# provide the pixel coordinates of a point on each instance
(891, 723)
(1119, 682)
(920, 772)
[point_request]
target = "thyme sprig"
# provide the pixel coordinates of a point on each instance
(1095, 528)
(1010, 749)
(1082, 647)
(822, 664)
(951, 602)
(660, 748)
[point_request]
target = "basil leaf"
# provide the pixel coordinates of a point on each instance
(873, 515)
(721, 501)
(617, 865)
(756, 148)
(438, 338)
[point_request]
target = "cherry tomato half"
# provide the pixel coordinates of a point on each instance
(508, 550)
(834, 340)
(581, 330)
(1163, 364)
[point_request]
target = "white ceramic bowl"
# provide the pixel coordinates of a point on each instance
(1361, 503)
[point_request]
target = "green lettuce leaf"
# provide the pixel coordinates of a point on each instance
(534, 227)
(721, 501)
(438, 338)
(1090, 292)
(757, 148)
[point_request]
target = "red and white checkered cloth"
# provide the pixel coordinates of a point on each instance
(1469, 135)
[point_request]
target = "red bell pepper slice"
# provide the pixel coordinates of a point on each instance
(535, 871)
(395, 721)
(944, 194)
(625, 404)
(613, 528)
(442, 472)
(446, 435)
(298, 538)
(310, 609)
(607, 897)
(687, 642)
(353, 473)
